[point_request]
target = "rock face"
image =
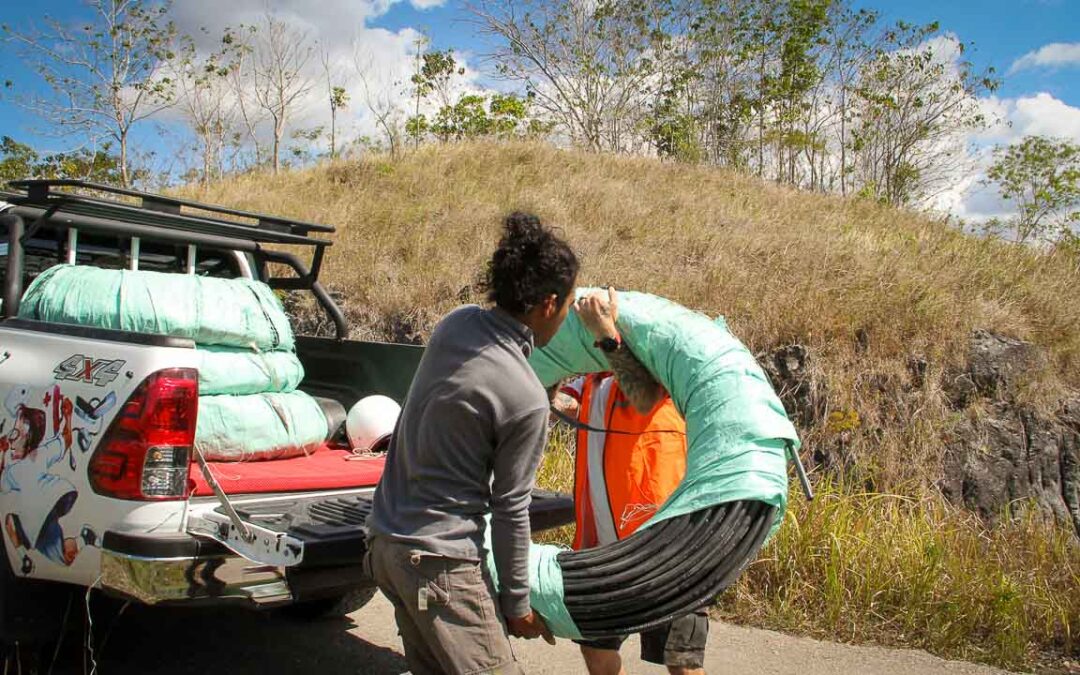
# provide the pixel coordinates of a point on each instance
(998, 454)
(1008, 452)
(790, 370)
(1012, 454)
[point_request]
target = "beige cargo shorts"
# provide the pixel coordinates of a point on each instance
(445, 611)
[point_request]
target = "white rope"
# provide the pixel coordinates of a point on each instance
(632, 512)
(89, 644)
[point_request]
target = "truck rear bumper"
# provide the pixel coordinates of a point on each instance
(182, 569)
(185, 569)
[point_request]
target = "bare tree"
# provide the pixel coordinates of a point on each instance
(852, 44)
(380, 99)
(584, 62)
(337, 95)
(207, 101)
(278, 75)
(239, 44)
(419, 90)
(105, 74)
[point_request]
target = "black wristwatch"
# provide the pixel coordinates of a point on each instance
(608, 344)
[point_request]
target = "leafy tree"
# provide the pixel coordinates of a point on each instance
(916, 101)
(508, 112)
(588, 65)
(417, 127)
(97, 166)
(301, 153)
(105, 73)
(436, 75)
(465, 119)
(674, 133)
(1042, 177)
(19, 161)
(475, 116)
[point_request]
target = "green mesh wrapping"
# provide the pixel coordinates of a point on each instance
(733, 417)
(210, 311)
(230, 370)
(259, 426)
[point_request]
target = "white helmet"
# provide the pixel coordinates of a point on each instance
(370, 422)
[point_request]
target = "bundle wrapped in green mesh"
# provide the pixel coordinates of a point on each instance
(231, 370)
(259, 426)
(736, 425)
(231, 312)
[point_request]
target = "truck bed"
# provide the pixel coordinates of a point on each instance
(325, 469)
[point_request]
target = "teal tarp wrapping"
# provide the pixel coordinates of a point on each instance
(545, 586)
(258, 426)
(230, 370)
(208, 310)
(736, 425)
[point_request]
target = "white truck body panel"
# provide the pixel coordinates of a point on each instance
(54, 413)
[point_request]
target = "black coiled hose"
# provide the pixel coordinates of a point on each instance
(664, 571)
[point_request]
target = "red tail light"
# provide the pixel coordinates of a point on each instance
(146, 452)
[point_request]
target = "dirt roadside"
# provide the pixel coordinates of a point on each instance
(237, 642)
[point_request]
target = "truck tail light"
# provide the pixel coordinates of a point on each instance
(146, 453)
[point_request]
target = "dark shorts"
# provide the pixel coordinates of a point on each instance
(679, 643)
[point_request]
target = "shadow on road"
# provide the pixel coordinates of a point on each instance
(173, 641)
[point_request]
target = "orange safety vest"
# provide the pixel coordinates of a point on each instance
(621, 479)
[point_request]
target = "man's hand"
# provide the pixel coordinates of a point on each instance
(598, 314)
(530, 626)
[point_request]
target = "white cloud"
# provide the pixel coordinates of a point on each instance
(1039, 114)
(343, 29)
(1053, 55)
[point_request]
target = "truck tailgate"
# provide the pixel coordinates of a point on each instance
(325, 530)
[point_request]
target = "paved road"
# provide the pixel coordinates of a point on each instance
(245, 643)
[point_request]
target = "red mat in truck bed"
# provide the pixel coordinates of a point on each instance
(324, 469)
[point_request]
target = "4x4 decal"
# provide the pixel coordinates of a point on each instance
(79, 368)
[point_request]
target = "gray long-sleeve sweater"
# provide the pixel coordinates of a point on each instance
(468, 443)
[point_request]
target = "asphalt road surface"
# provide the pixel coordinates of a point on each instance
(237, 642)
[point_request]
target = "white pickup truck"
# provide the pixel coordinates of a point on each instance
(99, 485)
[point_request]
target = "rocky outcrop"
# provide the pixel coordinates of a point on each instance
(792, 374)
(993, 364)
(1008, 454)
(1004, 452)
(1000, 453)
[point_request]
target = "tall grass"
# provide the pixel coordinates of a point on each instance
(784, 267)
(901, 571)
(896, 570)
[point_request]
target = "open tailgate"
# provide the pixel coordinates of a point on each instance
(322, 531)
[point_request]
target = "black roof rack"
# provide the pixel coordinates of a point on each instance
(40, 203)
(147, 210)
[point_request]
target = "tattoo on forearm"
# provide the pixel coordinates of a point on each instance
(640, 387)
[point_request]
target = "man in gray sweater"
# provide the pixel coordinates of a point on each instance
(467, 445)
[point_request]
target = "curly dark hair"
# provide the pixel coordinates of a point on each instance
(530, 264)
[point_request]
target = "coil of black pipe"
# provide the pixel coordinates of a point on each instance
(664, 571)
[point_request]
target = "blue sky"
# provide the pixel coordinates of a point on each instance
(1002, 31)
(1042, 98)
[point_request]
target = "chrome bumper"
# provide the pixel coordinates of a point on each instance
(216, 579)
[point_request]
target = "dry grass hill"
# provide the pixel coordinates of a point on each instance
(866, 315)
